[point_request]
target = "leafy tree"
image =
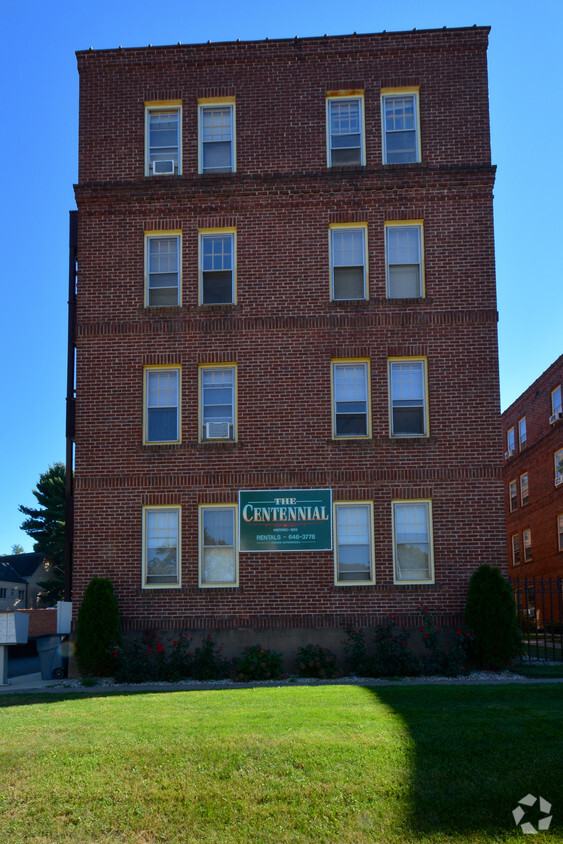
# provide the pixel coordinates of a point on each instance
(97, 630)
(46, 525)
(17, 549)
(490, 613)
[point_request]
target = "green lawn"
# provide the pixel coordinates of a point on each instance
(299, 764)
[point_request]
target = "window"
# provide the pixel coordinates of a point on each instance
(401, 138)
(21, 594)
(510, 442)
(404, 260)
(217, 262)
(348, 262)
(345, 131)
(556, 406)
(524, 489)
(162, 406)
(412, 542)
(162, 269)
(2, 592)
(218, 562)
(558, 457)
(217, 390)
(350, 399)
(161, 546)
(513, 495)
(515, 550)
(560, 532)
(522, 433)
(527, 542)
(353, 546)
(217, 137)
(407, 381)
(163, 138)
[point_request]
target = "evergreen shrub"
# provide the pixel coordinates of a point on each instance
(490, 614)
(97, 632)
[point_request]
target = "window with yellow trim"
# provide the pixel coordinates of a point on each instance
(162, 270)
(345, 130)
(353, 542)
(348, 262)
(408, 399)
(217, 403)
(350, 399)
(217, 268)
(560, 532)
(558, 460)
(217, 138)
(412, 542)
(401, 137)
(404, 261)
(513, 495)
(556, 403)
(163, 140)
(527, 542)
(218, 558)
(162, 405)
(515, 550)
(522, 433)
(524, 494)
(161, 546)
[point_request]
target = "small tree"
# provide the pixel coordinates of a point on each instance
(490, 613)
(97, 632)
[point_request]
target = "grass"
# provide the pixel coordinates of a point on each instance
(539, 670)
(299, 764)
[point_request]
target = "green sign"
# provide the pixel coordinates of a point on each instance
(285, 520)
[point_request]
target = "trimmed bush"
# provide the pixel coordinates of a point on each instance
(490, 613)
(97, 632)
(257, 663)
(147, 660)
(208, 664)
(315, 661)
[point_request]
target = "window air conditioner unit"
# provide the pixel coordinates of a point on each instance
(559, 480)
(509, 453)
(217, 430)
(557, 417)
(159, 167)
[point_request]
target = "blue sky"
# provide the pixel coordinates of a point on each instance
(40, 96)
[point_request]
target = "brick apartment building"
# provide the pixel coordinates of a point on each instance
(533, 477)
(287, 404)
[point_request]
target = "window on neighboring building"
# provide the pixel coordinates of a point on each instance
(524, 489)
(404, 261)
(350, 399)
(163, 269)
(217, 267)
(345, 131)
(217, 137)
(515, 550)
(513, 495)
(218, 563)
(348, 260)
(163, 139)
(21, 594)
(401, 138)
(161, 546)
(527, 542)
(353, 546)
(407, 384)
(412, 541)
(162, 405)
(217, 385)
(556, 406)
(558, 458)
(510, 442)
(560, 532)
(2, 592)
(522, 433)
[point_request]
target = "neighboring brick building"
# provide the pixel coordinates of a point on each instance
(533, 477)
(286, 283)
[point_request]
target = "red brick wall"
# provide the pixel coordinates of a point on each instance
(537, 459)
(284, 330)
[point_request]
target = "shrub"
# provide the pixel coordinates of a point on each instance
(356, 653)
(393, 657)
(146, 660)
(447, 661)
(490, 613)
(257, 663)
(97, 632)
(208, 664)
(315, 661)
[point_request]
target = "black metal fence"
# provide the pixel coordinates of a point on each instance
(539, 602)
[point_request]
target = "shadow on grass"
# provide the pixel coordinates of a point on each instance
(477, 751)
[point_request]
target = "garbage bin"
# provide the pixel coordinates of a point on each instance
(50, 657)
